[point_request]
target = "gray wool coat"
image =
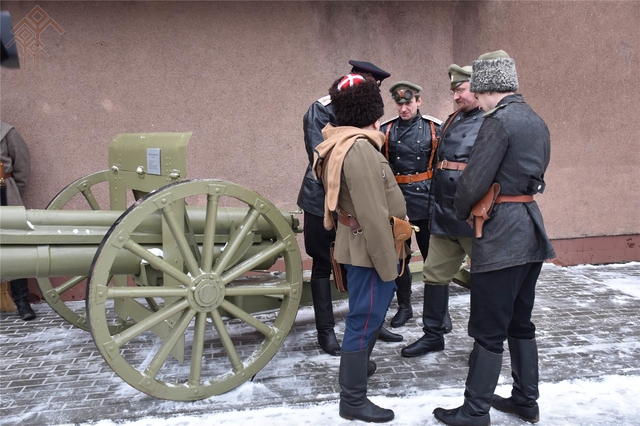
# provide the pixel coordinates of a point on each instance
(14, 154)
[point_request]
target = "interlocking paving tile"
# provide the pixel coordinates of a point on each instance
(51, 373)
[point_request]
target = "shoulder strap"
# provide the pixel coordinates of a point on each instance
(386, 140)
(436, 141)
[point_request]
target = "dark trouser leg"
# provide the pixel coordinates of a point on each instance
(403, 293)
(524, 354)
(323, 310)
(354, 403)
(20, 296)
(481, 382)
(524, 370)
(317, 241)
(434, 314)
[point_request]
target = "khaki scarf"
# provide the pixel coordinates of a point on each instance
(338, 141)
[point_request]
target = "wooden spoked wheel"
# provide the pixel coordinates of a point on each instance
(77, 190)
(202, 318)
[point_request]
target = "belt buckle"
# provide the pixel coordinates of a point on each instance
(358, 232)
(443, 164)
(410, 178)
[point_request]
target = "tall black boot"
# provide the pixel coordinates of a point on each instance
(371, 365)
(481, 382)
(387, 336)
(448, 325)
(354, 403)
(405, 311)
(20, 296)
(434, 315)
(323, 309)
(524, 370)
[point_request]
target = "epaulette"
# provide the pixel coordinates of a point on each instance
(430, 118)
(390, 120)
(490, 112)
(325, 100)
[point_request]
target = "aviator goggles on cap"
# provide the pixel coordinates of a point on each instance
(402, 94)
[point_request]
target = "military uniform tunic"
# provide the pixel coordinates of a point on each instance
(409, 150)
(455, 145)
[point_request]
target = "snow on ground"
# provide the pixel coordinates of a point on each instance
(609, 400)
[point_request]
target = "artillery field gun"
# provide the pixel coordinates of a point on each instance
(173, 280)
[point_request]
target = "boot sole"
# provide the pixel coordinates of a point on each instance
(420, 354)
(363, 420)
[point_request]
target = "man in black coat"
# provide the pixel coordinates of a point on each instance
(512, 149)
(450, 237)
(317, 239)
(409, 139)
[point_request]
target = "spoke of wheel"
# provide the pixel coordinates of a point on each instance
(236, 239)
(157, 262)
(197, 349)
(165, 349)
(246, 317)
(236, 364)
(132, 292)
(258, 290)
(249, 264)
(69, 284)
(209, 232)
(181, 241)
(150, 322)
(88, 195)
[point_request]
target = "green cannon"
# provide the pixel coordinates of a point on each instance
(179, 297)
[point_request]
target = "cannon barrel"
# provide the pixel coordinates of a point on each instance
(54, 243)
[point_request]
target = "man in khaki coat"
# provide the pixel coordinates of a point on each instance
(361, 189)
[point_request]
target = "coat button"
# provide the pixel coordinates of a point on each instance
(447, 135)
(418, 158)
(464, 135)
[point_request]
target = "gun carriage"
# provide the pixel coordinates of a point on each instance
(174, 276)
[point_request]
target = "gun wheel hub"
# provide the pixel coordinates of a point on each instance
(207, 293)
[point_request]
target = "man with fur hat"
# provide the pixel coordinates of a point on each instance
(317, 239)
(361, 190)
(408, 141)
(512, 150)
(450, 238)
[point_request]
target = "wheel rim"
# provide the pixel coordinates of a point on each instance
(53, 294)
(224, 352)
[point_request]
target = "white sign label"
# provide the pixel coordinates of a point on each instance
(153, 161)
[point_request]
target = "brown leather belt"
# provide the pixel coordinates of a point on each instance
(514, 199)
(404, 179)
(350, 221)
(450, 165)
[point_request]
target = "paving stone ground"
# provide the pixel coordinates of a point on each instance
(51, 373)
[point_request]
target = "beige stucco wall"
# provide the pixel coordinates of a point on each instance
(240, 76)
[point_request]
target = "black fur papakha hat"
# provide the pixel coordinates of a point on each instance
(494, 72)
(356, 100)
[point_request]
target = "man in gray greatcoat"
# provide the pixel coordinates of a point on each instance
(512, 150)
(14, 154)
